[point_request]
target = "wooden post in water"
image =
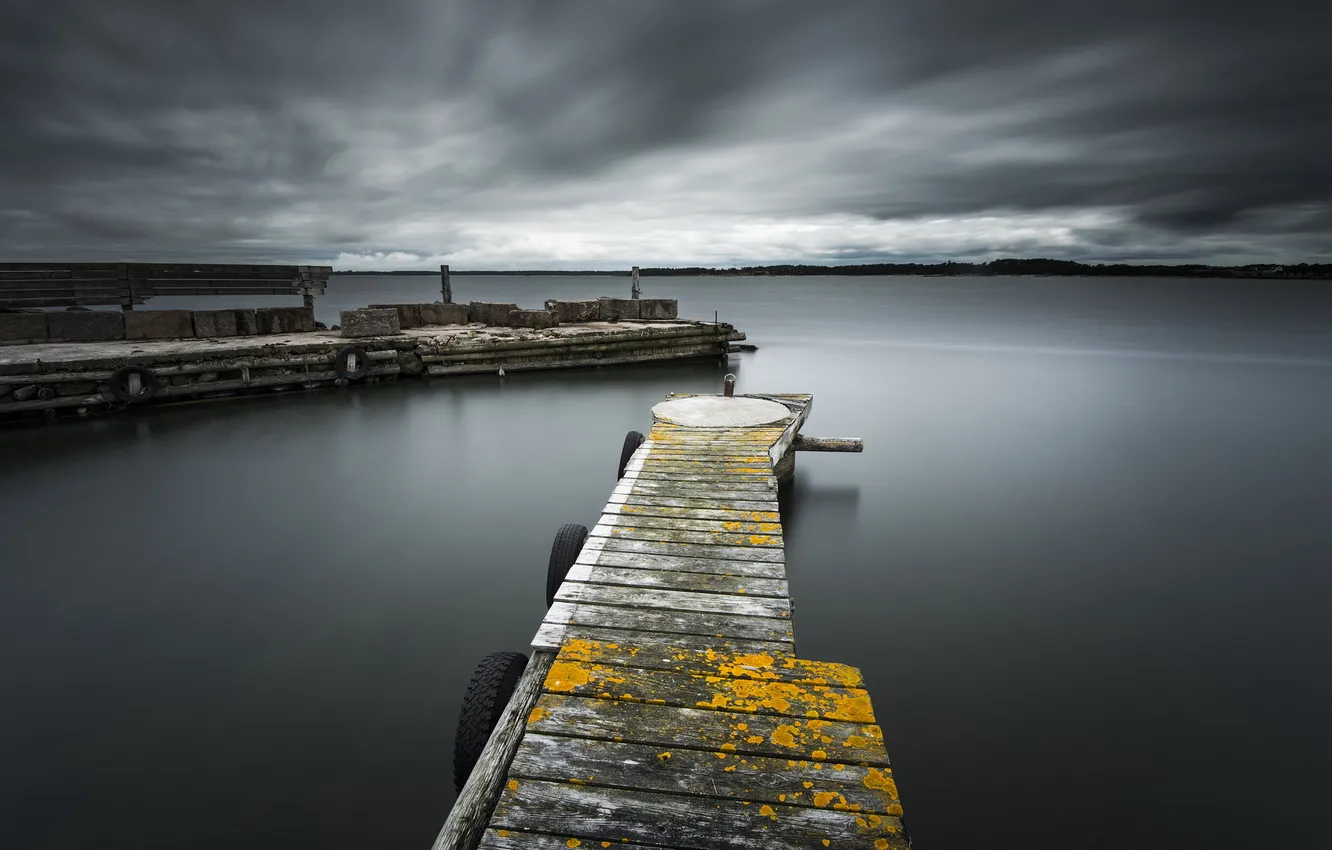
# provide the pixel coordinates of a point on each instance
(307, 282)
(637, 290)
(445, 285)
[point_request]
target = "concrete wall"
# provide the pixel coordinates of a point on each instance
(103, 325)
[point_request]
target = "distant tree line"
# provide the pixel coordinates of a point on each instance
(1064, 268)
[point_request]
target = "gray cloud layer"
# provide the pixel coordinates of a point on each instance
(535, 132)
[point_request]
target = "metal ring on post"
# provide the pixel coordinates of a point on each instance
(351, 363)
(729, 385)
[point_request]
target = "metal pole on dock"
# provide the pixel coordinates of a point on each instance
(637, 290)
(445, 285)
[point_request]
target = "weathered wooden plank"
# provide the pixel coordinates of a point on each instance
(617, 517)
(477, 798)
(665, 512)
(705, 729)
(714, 566)
(706, 823)
(771, 554)
(707, 657)
(720, 496)
(795, 782)
(672, 580)
(673, 600)
(707, 454)
(752, 696)
(717, 479)
(656, 644)
(672, 622)
(512, 839)
(670, 535)
(667, 499)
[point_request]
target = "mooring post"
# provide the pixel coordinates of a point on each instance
(636, 291)
(445, 286)
(306, 284)
(728, 386)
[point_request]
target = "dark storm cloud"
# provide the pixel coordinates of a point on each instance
(304, 130)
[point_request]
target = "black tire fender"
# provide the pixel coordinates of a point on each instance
(632, 441)
(120, 384)
(569, 542)
(488, 693)
(351, 363)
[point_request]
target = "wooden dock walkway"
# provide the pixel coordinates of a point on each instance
(665, 705)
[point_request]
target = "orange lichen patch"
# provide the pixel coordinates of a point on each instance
(767, 812)
(743, 727)
(819, 754)
(856, 741)
(512, 784)
(895, 809)
(881, 844)
(576, 649)
(605, 844)
(728, 747)
(781, 797)
(754, 739)
(664, 756)
(854, 706)
(881, 780)
(823, 798)
(720, 755)
(565, 676)
(573, 842)
(728, 769)
(826, 842)
(537, 713)
(839, 767)
(503, 833)
(763, 540)
(807, 784)
(784, 736)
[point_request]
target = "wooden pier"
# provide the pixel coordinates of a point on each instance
(664, 704)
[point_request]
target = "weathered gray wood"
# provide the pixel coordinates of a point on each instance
(828, 444)
(715, 495)
(506, 839)
(672, 622)
(697, 550)
(714, 566)
(553, 636)
(705, 729)
(672, 580)
(673, 600)
(445, 284)
(737, 481)
(668, 535)
(664, 512)
(668, 499)
(799, 782)
(548, 362)
(612, 814)
(724, 693)
(705, 656)
(730, 526)
(471, 812)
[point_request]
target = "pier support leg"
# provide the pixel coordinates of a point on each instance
(636, 291)
(784, 469)
(445, 285)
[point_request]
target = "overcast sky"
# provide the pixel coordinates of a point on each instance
(606, 133)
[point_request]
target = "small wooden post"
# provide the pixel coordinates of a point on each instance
(637, 290)
(307, 281)
(446, 287)
(126, 287)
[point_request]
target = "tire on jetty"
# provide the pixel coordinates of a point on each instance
(351, 363)
(632, 441)
(569, 542)
(133, 384)
(488, 693)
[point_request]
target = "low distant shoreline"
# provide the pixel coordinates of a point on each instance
(1060, 268)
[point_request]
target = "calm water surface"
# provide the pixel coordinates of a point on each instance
(1083, 562)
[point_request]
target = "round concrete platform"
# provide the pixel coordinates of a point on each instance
(720, 412)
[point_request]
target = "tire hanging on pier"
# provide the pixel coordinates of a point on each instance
(351, 363)
(569, 542)
(133, 384)
(632, 441)
(488, 692)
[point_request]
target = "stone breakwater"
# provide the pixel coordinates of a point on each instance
(200, 354)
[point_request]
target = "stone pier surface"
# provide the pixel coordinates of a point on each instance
(218, 362)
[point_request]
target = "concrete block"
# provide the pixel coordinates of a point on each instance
(575, 311)
(247, 324)
(15, 327)
(284, 320)
(409, 315)
(536, 319)
(494, 315)
(362, 323)
(658, 308)
(209, 324)
(443, 314)
(86, 326)
(159, 324)
(617, 309)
